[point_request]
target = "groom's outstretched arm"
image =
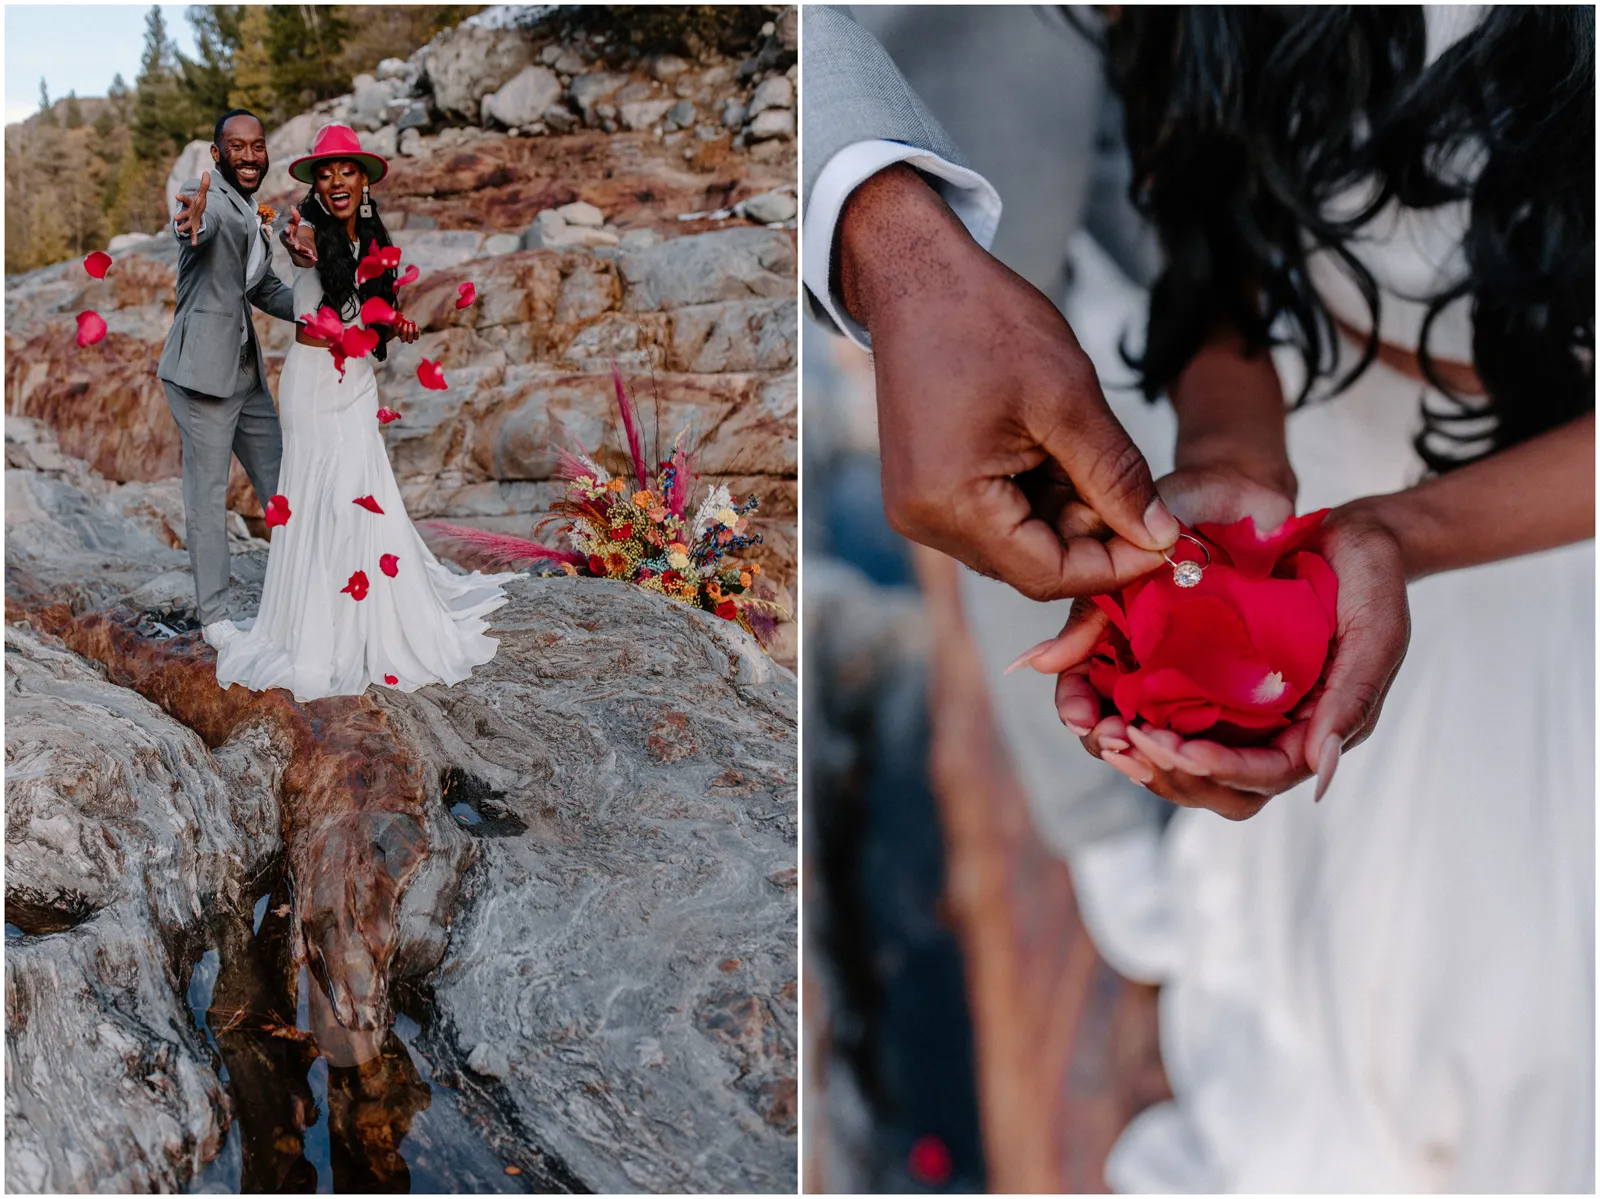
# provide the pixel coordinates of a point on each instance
(998, 446)
(273, 296)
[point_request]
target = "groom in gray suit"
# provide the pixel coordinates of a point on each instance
(212, 366)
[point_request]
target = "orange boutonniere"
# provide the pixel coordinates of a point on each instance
(267, 215)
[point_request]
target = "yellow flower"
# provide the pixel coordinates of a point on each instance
(678, 561)
(727, 516)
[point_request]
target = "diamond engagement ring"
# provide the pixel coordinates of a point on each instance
(1188, 574)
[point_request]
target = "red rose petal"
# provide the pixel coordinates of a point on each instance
(356, 588)
(325, 325)
(277, 511)
(1314, 569)
(367, 502)
(375, 310)
(358, 342)
(1111, 605)
(385, 415)
(91, 328)
(929, 1161)
(390, 679)
(430, 376)
(409, 275)
(1207, 643)
(727, 610)
(467, 294)
(389, 564)
(1286, 622)
(97, 263)
(1255, 553)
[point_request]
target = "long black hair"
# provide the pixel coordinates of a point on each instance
(337, 265)
(1242, 123)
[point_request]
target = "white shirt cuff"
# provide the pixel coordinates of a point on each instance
(971, 197)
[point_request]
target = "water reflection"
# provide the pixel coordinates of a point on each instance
(318, 1108)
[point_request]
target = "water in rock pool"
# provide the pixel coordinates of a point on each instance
(309, 1120)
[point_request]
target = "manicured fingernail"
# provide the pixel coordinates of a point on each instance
(1137, 772)
(1331, 747)
(1029, 655)
(1114, 744)
(1189, 766)
(1077, 730)
(1162, 526)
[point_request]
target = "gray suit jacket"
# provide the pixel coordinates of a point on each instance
(203, 347)
(1017, 85)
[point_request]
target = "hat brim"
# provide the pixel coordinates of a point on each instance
(305, 169)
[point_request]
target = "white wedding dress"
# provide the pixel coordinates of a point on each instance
(1392, 990)
(423, 625)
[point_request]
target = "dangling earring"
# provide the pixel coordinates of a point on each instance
(366, 204)
(322, 204)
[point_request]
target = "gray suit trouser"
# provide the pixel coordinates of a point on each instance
(214, 430)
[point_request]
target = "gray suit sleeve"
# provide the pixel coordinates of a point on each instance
(272, 295)
(853, 92)
(208, 228)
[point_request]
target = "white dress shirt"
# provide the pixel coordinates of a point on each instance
(970, 196)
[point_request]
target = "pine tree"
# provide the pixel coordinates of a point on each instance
(74, 112)
(47, 114)
(161, 121)
(252, 65)
(208, 79)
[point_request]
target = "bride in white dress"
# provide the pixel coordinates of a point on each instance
(352, 596)
(1393, 989)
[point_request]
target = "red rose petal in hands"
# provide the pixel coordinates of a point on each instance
(367, 502)
(356, 588)
(91, 328)
(376, 311)
(468, 293)
(409, 275)
(385, 415)
(389, 564)
(390, 679)
(277, 511)
(1255, 553)
(430, 376)
(97, 264)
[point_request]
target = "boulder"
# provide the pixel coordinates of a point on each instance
(579, 213)
(729, 264)
(642, 114)
(466, 63)
(776, 92)
(370, 100)
(589, 90)
(667, 67)
(769, 207)
(774, 123)
(393, 68)
(523, 99)
(383, 141)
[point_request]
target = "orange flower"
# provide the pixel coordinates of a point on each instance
(744, 578)
(267, 214)
(569, 568)
(714, 589)
(616, 485)
(616, 563)
(643, 500)
(755, 568)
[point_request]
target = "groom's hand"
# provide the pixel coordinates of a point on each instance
(998, 447)
(192, 210)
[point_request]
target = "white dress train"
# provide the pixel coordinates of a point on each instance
(423, 625)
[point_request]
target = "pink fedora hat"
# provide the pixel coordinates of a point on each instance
(337, 141)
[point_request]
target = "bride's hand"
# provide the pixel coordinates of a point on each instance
(406, 329)
(1372, 628)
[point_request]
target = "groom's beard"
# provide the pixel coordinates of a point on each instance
(232, 177)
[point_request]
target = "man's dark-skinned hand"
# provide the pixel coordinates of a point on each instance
(998, 446)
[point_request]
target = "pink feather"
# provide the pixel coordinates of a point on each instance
(569, 465)
(682, 482)
(635, 447)
(501, 548)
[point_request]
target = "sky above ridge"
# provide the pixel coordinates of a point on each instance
(77, 47)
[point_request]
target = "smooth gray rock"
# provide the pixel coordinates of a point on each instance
(734, 114)
(727, 264)
(681, 114)
(642, 114)
(776, 92)
(525, 97)
(589, 90)
(769, 207)
(774, 123)
(123, 830)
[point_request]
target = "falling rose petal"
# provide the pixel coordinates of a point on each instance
(368, 269)
(356, 588)
(277, 511)
(409, 275)
(97, 264)
(376, 311)
(91, 328)
(430, 376)
(468, 293)
(929, 1161)
(389, 564)
(358, 342)
(390, 679)
(325, 324)
(385, 415)
(367, 502)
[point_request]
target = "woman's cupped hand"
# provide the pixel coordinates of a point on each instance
(1248, 703)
